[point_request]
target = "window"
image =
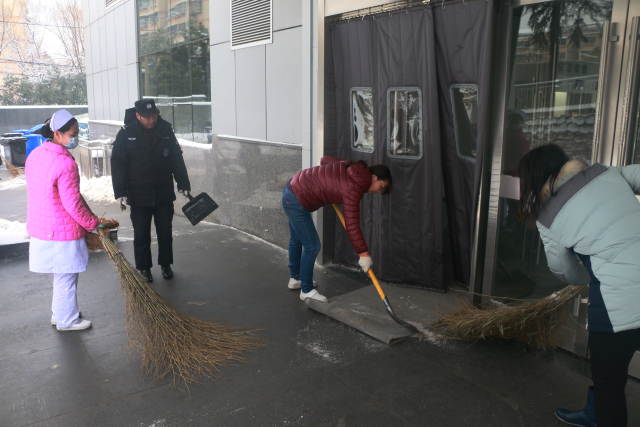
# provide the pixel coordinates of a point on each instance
(195, 7)
(179, 9)
(174, 64)
(404, 122)
(251, 23)
(464, 101)
(362, 119)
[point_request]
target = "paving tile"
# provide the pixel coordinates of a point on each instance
(103, 415)
(48, 383)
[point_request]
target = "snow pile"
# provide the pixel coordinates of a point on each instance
(12, 232)
(7, 184)
(97, 189)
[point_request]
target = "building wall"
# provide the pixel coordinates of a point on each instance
(258, 90)
(258, 110)
(15, 16)
(111, 58)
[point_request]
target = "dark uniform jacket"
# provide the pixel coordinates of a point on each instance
(143, 170)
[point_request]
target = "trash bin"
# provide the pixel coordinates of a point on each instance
(20, 131)
(14, 149)
(34, 140)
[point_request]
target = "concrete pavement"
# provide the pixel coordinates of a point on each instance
(315, 372)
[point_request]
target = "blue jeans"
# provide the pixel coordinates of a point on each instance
(303, 236)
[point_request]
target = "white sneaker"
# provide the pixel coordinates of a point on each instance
(313, 295)
(83, 324)
(53, 320)
(295, 284)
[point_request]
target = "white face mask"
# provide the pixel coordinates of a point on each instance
(71, 142)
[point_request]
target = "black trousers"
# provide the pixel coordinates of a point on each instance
(610, 358)
(141, 219)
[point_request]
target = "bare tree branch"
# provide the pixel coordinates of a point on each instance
(66, 16)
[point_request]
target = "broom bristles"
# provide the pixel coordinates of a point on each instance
(14, 171)
(535, 322)
(170, 342)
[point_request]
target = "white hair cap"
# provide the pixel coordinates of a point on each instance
(59, 119)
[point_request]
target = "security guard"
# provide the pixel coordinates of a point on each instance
(146, 158)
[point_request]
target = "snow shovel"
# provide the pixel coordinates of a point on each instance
(378, 288)
(199, 207)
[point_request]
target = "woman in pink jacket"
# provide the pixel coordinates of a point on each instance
(57, 219)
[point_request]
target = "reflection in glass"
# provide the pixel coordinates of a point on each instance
(201, 90)
(554, 77)
(521, 270)
(362, 119)
(198, 19)
(174, 63)
(551, 98)
(633, 144)
(464, 101)
(404, 107)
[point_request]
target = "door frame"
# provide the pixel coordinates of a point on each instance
(495, 185)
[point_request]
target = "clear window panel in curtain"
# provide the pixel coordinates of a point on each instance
(551, 99)
(198, 19)
(464, 101)
(164, 100)
(362, 119)
(404, 126)
(182, 101)
(201, 90)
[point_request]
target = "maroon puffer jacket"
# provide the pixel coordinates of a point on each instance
(333, 182)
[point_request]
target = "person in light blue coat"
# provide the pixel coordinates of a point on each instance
(589, 221)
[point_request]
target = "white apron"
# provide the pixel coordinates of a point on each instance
(49, 256)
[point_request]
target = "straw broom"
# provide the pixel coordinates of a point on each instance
(14, 171)
(535, 322)
(171, 342)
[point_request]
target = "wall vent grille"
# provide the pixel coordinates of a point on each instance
(251, 23)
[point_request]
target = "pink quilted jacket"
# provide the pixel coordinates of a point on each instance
(55, 210)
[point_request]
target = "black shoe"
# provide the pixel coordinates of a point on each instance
(167, 273)
(147, 275)
(585, 417)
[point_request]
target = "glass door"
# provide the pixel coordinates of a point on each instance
(627, 137)
(558, 80)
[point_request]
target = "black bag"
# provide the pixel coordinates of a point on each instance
(199, 207)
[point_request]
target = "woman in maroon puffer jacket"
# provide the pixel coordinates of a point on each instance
(334, 181)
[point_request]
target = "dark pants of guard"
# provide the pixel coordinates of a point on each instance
(610, 358)
(141, 219)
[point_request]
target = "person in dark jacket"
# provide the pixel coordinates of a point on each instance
(334, 181)
(145, 160)
(589, 221)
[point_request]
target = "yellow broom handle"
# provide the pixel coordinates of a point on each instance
(373, 276)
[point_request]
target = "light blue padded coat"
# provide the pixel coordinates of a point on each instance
(590, 227)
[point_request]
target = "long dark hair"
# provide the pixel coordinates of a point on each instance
(382, 172)
(538, 166)
(48, 133)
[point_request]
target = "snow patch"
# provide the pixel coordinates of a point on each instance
(97, 189)
(12, 232)
(7, 184)
(201, 145)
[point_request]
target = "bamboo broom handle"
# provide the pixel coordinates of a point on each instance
(371, 274)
